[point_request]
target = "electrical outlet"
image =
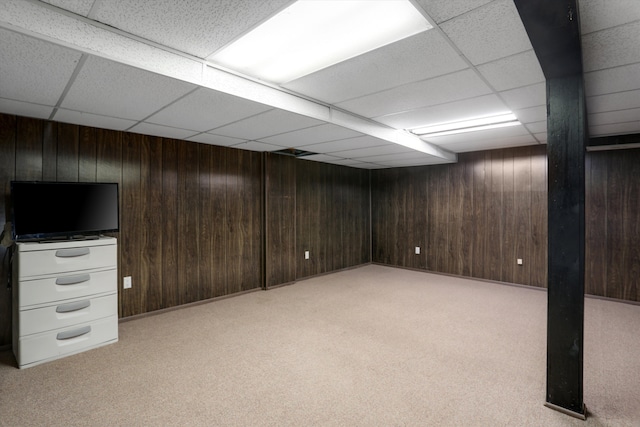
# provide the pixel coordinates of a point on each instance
(306, 254)
(127, 282)
(417, 250)
(519, 261)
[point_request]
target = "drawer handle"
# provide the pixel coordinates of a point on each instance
(73, 333)
(73, 306)
(73, 280)
(73, 252)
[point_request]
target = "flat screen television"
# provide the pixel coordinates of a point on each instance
(46, 210)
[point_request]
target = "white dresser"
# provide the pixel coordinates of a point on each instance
(65, 298)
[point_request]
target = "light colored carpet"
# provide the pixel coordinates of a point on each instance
(372, 346)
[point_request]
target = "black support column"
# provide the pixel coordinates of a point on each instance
(554, 32)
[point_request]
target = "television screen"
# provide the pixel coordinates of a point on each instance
(43, 210)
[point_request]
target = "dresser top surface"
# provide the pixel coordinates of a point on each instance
(64, 244)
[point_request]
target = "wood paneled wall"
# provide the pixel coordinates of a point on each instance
(280, 219)
(200, 221)
(332, 217)
(473, 218)
(196, 221)
(612, 226)
(190, 214)
(476, 217)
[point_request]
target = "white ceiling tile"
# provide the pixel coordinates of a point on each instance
(79, 7)
(195, 27)
(346, 162)
(514, 71)
(533, 114)
(206, 109)
(442, 11)
(115, 90)
(257, 146)
(618, 79)
(67, 29)
(207, 138)
(37, 71)
(410, 162)
(322, 158)
(524, 97)
(93, 120)
(366, 165)
(597, 15)
(266, 124)
(612, 117)
(541, 137)
(612, 47)
(309, 136)
(537, 127)
(405, 61)
(443, 113)
(489, 32)
(613, 101)
(616, 129)
(492, 144)
(164, 131)
(346, 144)
(9, 106)
(482, 135)
(451, 87)
(398, 156)
(374, 151)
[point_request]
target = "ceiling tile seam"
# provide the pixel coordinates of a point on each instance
(462, 14)
(239, 120)
(597, 70)
(94, 9)
(27, 102)
(389, 89)
(162, 108)
(114, 30)
(452, 102)
(611, 68)
(344, 139)
(124, 34)
(616, 123)
(609, 28)
(473, 67)
(256, 25)
(70, 82)
(612, 93)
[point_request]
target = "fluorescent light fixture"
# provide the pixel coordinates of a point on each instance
(311, 35)
(471, 125)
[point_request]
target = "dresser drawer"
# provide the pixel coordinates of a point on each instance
(65, 341)
(55, 261)
(66, 286)
(67, 314)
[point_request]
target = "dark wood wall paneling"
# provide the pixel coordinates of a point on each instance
(332, 217)
(490, 208)
(612, 224)
(280, 219)
(474, 218)
(192, 215)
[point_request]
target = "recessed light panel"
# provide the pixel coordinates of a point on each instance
(310, 35)
(471, 125)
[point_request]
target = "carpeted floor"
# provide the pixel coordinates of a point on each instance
(372, 346)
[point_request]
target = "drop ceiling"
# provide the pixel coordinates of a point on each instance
(145, 66)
